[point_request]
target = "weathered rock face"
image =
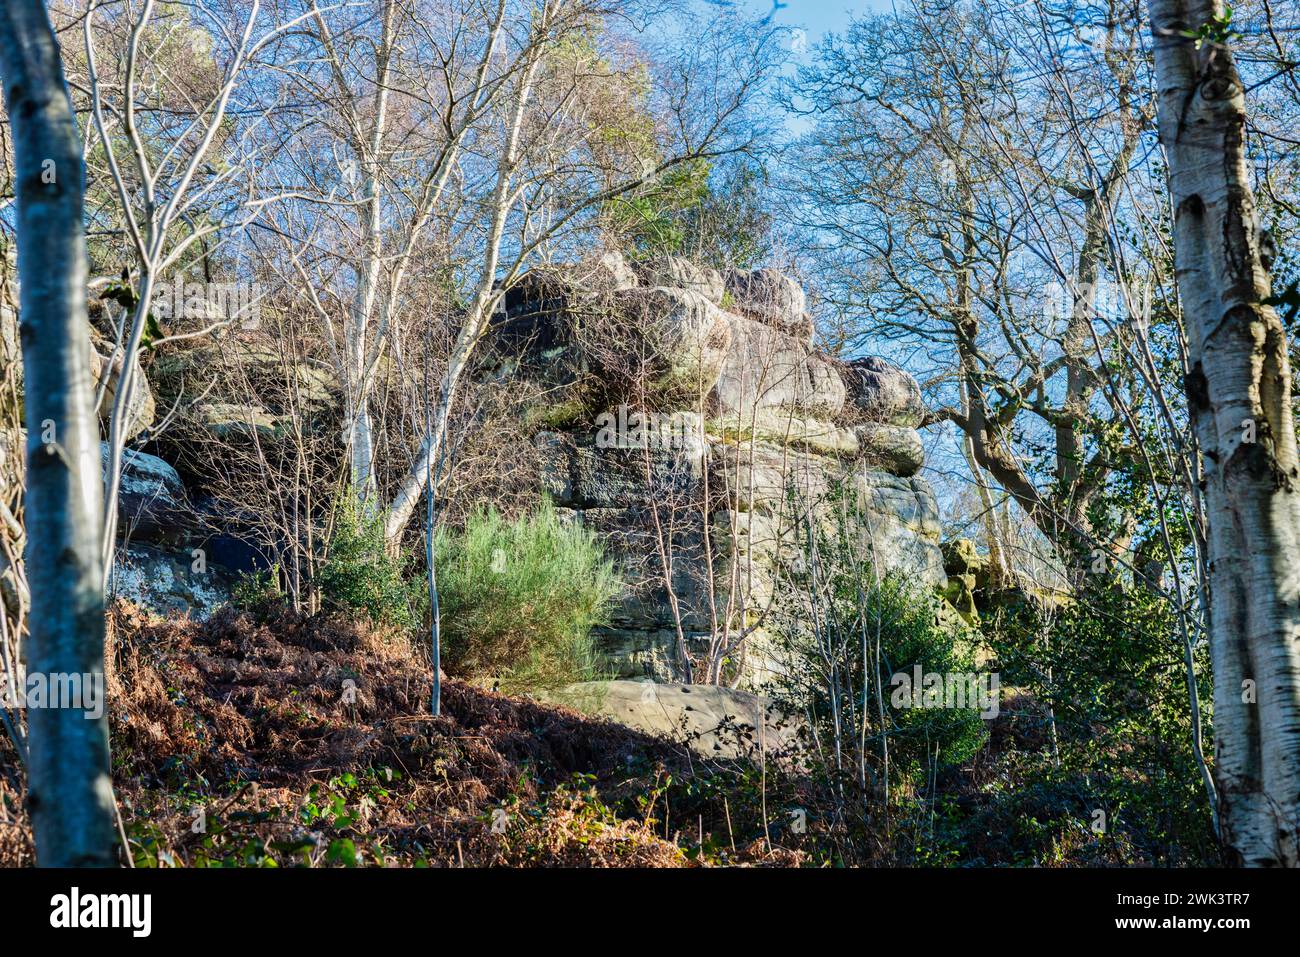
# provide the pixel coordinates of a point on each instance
(694, 499)
(772, 297)
(685, 330)
(963, 565)
(165, 561)
(764, 367)
(152, 503)
(885, 393)
(893, 448)
(715, 722)
(679, 273)
(244, 385)
(106, 373)
(169, 582)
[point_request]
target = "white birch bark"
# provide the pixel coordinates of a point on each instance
(70, 794)
(476, 322)
(1239, 397)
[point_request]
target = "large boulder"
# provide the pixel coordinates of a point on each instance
(884, 393)
(713, 721)
(771, 296)
(766, 367)
(169, 582)
(612, 272)
(894, 448)
(681, 331)
(680, 273)
(236, 420)
(152, 504)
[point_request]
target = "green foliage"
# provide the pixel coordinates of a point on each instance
(1109, 679)
(897, 627)
(1287, 303)
(732, 225)
(124, 294)
(256, 588)
(652, 221)
(336, 811)
(910, 637)
(1216, 31)
(846, 634)
(360, 575)
(518, 599)
(716, 217)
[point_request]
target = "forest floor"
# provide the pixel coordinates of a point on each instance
(268, 738)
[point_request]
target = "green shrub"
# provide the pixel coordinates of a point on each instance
(840, 638)
(824, 669)
(1109, 664)
(910, 637)
(360, 575)
(518, 599)
(256, 588)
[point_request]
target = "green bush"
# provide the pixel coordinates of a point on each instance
(256, 588)
(360, 575)
(827, 668)
(1109, 664)
(910, 637)
(518, 599)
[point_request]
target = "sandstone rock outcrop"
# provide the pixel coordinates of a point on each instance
(764, 367)
(165, 561)
(885, 393)
(680, 273)
(243, 385)
(169, 582)
(689, 333)
(772, 297)
(695, 428)
(693, 496)
(963, 565)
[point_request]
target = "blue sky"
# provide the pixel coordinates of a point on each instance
(817, 16)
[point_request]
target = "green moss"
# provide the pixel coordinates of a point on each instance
(558, 415)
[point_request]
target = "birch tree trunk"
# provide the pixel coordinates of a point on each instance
(1239, 397)
(360, 429)
(476, 321)
(70, 795)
